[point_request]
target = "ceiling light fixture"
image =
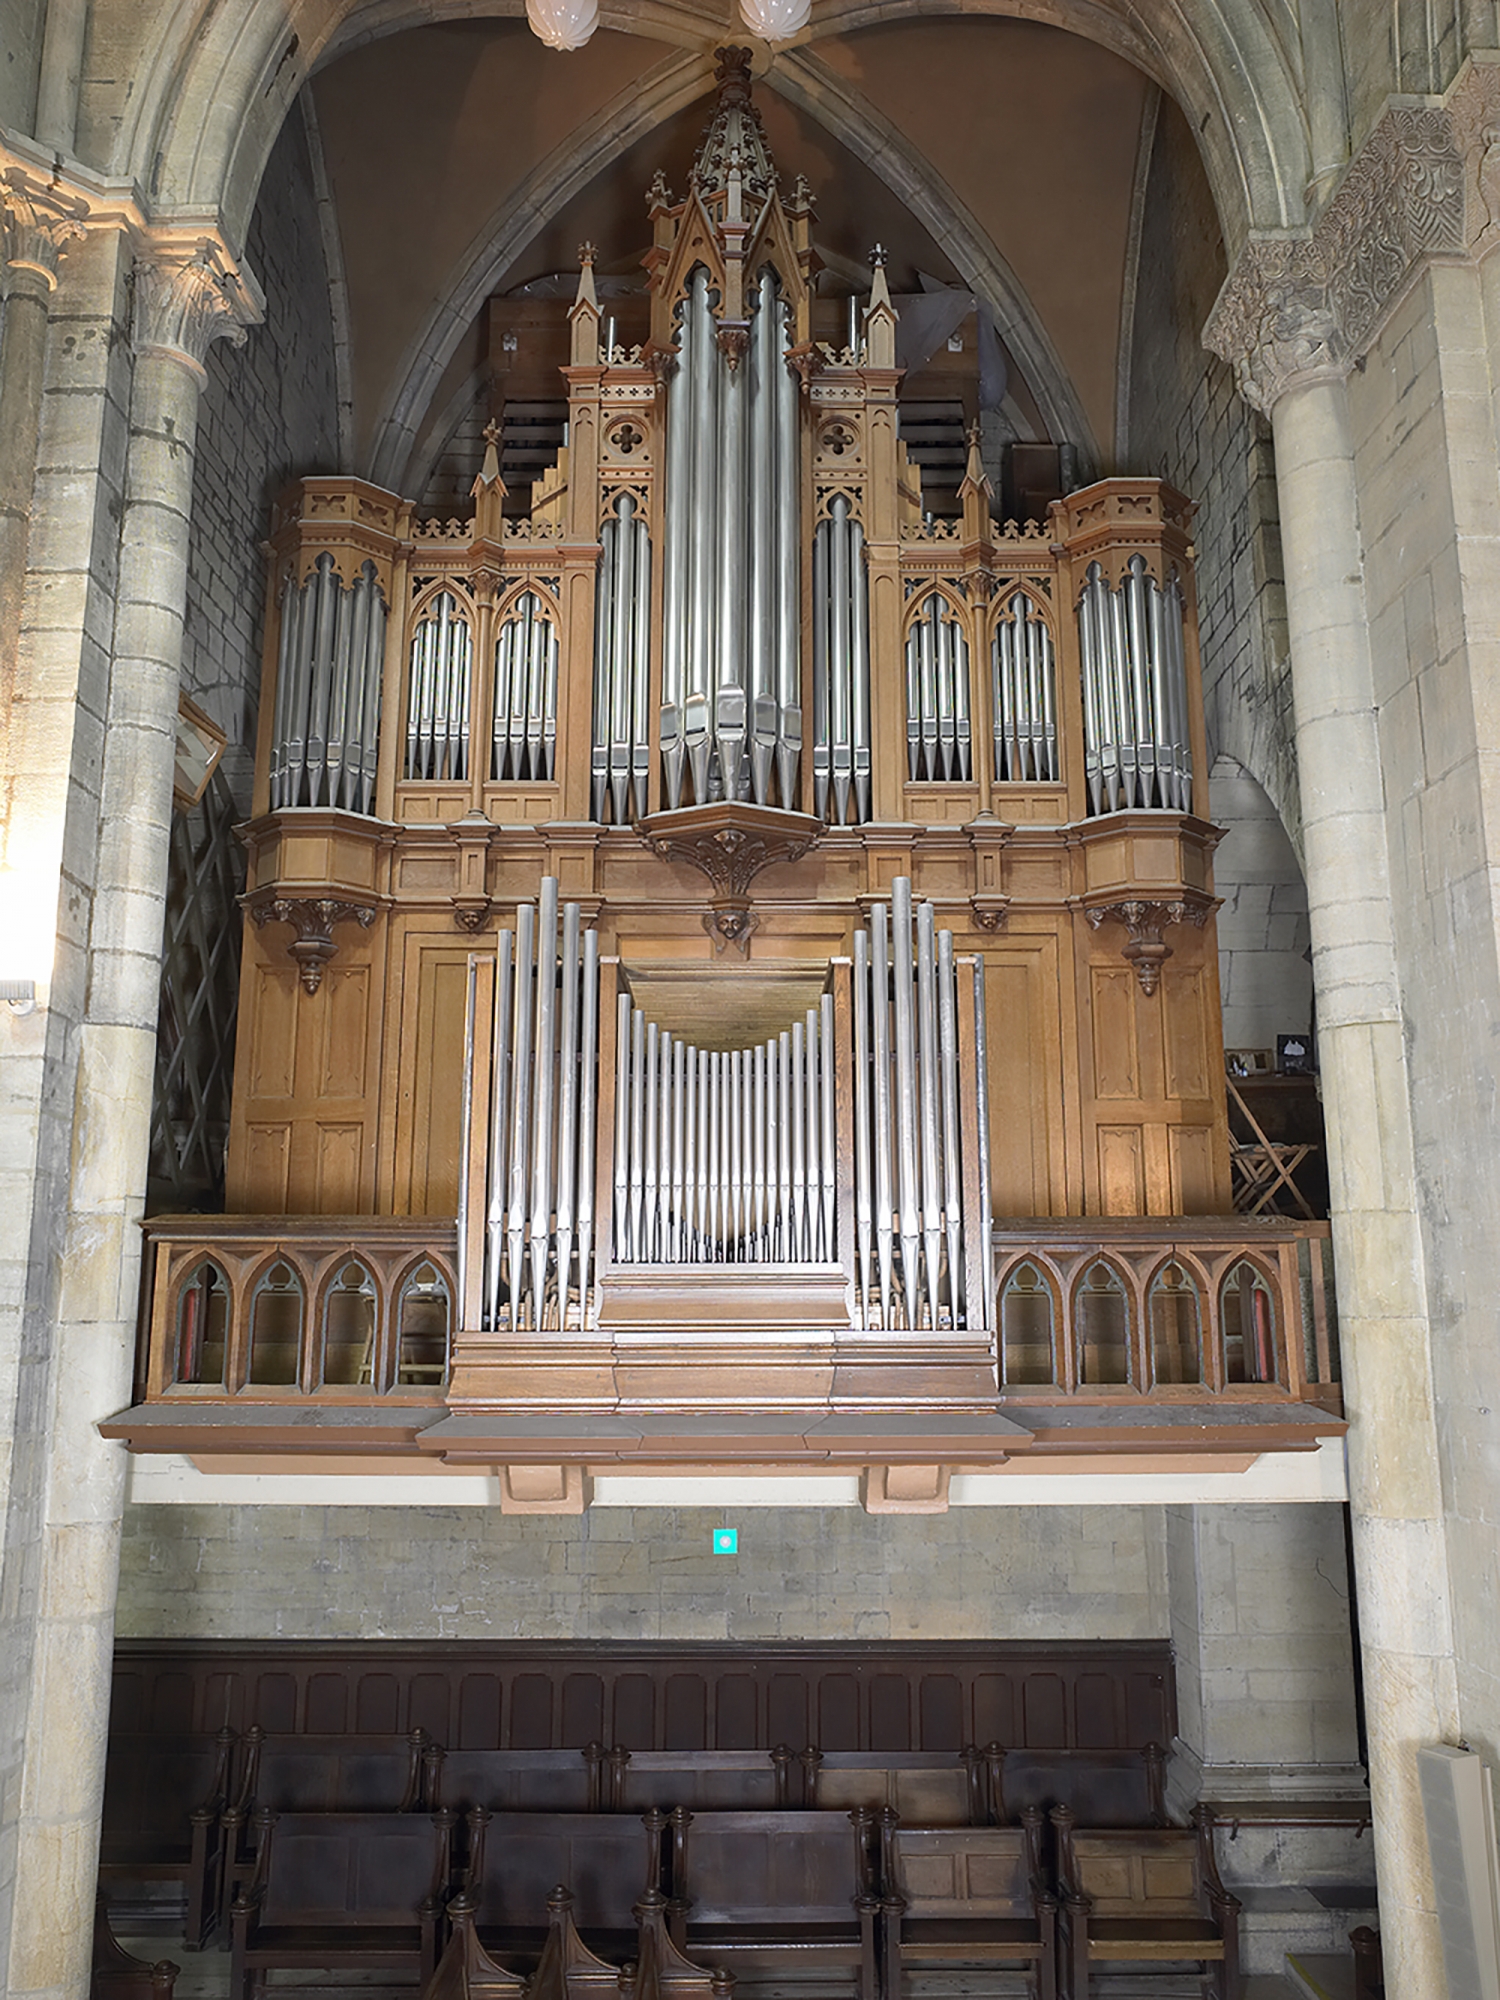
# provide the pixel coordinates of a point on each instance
(775, 20)
(563, 24)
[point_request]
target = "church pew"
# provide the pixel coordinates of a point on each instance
(966, 1896)
(321, 1774)
(349, 1891)
(759, 1889)
(523, 1780)
(163, 1800)
(926, 1787)
(1137, 1899)
(1109, 1788)
(515, 1860)
(703, 1780)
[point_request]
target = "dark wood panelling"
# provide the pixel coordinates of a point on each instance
(467, 1694)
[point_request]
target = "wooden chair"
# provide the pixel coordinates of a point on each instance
(343, 1890)
(515, 1861)
(321, 1774)
(163, 1803)
(967, 1896)
(117, 1974)
(1144, 1899)
(759, 1889)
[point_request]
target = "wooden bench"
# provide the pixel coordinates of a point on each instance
(523, 1780)
(163, 1801)
(924, 1787)
(760, 1888)
(321, 1774)
(607, 1861)
(1109, 1788)
(1145, 1898)
(345, 1891)
(466, 1971)
(971, 1896)
(702, 1780)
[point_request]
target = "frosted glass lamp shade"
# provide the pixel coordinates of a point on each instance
(775, 20)
(563, 24)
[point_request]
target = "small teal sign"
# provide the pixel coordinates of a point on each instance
(726, 1541)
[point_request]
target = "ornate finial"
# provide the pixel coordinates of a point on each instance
(658, 195)
(975, 479)
(489, 471)
(586, 255)
(732, 72)
(491, 432)
(877, 256)
(587, 296)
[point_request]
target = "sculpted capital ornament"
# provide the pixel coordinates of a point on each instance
(37, 222)
(187, 296)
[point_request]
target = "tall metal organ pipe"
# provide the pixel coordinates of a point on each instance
(731, 718)
(841, 668)
(1025, 695)
(619, 763)
(1137, 751)
(938, 745)
(326, 717)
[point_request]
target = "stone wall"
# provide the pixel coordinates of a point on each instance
(640, 1573)
(1265, 971)
(1187, 423)
(269, 415)
(21, 24)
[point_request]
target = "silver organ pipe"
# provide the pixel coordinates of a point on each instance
(841, 668)
(913, 1127)
(1025, 695)
(729, 1157)
(620, 753)
(938, 741)
(731, 719)
(1137, 753)
(437, 720)
(326, 718)
(541, 1121)
(524, 732)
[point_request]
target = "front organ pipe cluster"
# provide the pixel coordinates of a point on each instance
(841, 668)
(1135, 706)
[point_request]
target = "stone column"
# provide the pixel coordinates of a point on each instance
(62, 1561)
(1286, 323)
(36, 222)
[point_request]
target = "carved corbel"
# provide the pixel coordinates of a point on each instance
(990, 913)
(472, 904)
(730, 842)
(905, 1489)
(313, 919)
(1147, 950)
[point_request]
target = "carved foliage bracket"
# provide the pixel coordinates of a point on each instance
(729, 843)
(1147, 949)
(313, 919)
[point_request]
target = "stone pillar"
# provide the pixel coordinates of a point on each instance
(1296, 317)
(36, 222)
(64, 1516)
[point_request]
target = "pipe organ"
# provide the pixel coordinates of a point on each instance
(728, 890)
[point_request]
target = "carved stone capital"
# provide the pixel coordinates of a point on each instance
(38, 220)
(1302, 308)
(187, 296)
(313, 919)
(1145, 920)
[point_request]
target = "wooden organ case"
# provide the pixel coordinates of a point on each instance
(766, 918)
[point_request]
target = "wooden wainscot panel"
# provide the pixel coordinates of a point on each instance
(725, 1298)
(1023, 1007)
(1116, 1045)
(422, 1103)
(1122, 1170)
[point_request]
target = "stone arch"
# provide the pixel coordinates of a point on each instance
(217, 78)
